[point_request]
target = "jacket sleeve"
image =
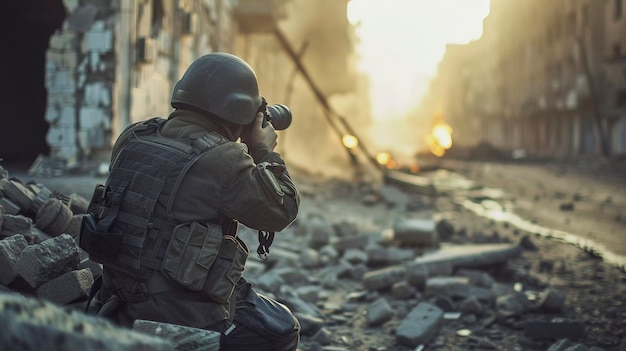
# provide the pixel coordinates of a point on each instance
(259, 191)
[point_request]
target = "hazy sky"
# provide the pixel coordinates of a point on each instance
(401, 42)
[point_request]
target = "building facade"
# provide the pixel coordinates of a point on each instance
(539, 79)
(111, 63)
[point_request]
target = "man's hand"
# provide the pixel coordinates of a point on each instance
(259, 134)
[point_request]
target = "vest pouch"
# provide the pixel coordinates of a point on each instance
(98, 244)
(226, 270)
(192, 250)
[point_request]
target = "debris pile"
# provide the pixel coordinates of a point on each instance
(420, 283)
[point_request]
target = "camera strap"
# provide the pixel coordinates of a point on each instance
(265, 241)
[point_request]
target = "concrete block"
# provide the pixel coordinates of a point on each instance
(53, 217)
(93, 266)
(551, 301)
(349, 242)
(383, 278)
(403, 290)
(42, 194)
(67, 115)
(469, 256)
(477, 277)
(98, 41)
(97, 94)
(417, 232)
(455, 287)
(62, 81)
(555, 329)
(16, 224)
(9, 206)
(73, 228)
(180, 337)
(355, 256)
(10, 250)
(91, 117)
(379, 312)
(78, 204)
(67, 288)
(420, 326)
(512, 304)
(19, 193)
(50, 259)
(417, 275)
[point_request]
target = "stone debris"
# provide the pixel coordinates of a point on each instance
(411, 285)
(421, 325)
(181, 337)
(39, 253)
(30, 324)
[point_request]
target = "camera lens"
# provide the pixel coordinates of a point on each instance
(280, 116)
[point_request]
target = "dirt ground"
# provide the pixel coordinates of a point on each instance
(584, 199)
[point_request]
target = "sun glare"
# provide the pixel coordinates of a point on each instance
(402, 41)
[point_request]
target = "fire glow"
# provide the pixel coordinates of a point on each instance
(440, 139)
(385, 159)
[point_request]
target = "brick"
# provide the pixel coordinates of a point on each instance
(383, 278)
(420, 326)
(379, 312)
(69, 287)
(9, 206)
(16, 224)
(50, 259)
(417, 232)
(10, 250)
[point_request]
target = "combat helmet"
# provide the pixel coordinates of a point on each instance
(222, 85)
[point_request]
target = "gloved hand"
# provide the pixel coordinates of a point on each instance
(260, 134)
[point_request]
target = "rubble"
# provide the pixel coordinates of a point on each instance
(400, 291)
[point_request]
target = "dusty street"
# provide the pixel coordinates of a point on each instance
(551, 210)
(573, 212)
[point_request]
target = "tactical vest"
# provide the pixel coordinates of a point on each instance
(131, 221)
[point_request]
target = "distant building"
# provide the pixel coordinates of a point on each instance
(546, 76)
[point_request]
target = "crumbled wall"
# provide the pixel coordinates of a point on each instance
(80, 67)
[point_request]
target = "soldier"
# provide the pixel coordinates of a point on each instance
(164, 225)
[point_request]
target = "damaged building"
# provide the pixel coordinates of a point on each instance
(81, 70)
(545, 78)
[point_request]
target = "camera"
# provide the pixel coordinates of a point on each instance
(279, 115)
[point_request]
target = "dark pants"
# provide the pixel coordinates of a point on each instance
(260, 324)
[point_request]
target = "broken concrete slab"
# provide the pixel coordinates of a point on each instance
(383, 278)
(468, 256)
(34, 324)
(180, 337)
(42, 262)
(67, 288)
(10, 250)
